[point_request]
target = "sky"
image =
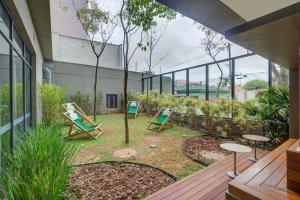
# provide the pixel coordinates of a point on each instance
(180, 45)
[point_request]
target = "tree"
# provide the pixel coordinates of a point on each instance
(96, 22)
(256, 84)
(136, 15)
(213, 44)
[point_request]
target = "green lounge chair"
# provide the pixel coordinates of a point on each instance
(133, 107)
(160, 120)
(80, 124)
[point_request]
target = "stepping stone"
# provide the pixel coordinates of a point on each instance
(125, 153)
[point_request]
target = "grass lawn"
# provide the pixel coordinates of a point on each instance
(167, 154)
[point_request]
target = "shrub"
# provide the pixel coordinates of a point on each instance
(273, 112)
(82, 100)
(51, 97)
(38, 168)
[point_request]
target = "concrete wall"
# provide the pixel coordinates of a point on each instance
(75, 50)
(64, 9)
(78, 77)
(22, 18)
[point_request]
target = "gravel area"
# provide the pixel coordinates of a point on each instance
(205, 149)
(117, 181)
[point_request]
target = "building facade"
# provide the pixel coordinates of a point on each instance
(25, 43)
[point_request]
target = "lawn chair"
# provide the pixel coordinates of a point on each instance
(160, 120)
(133, 107)
(80, 124)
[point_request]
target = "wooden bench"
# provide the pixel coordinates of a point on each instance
(209, 183)
(265, 180)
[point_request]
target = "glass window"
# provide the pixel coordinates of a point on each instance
(146, 84)
(167, 83)
(5, 22)
(280, 75)
(197, 83)
(219, 81)
(180, 83)
(156, 83)
(4, 86)
(251, 76)
(27, 96)
(17, 41)
(18, 85)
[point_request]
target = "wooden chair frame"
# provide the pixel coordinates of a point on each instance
(72, 133)
(137, 109)
(161, 125)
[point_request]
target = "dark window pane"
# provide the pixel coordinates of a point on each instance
(18, 85)
(4, 85)
(5, 22)
(197, 83)
(111, 101)
(17, 41)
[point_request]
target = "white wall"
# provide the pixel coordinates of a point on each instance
(64, 20)
(78, 51)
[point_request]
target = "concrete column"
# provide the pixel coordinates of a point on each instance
(294, 104)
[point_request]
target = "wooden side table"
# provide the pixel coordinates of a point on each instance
(255, 138)
(235, 148)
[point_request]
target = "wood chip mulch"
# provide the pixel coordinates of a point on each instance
(117, 181)
(194, 147)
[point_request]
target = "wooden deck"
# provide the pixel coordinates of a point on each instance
(266, 179)
(210, 183)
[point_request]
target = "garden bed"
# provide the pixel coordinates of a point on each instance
(117, 180)
(204, 149)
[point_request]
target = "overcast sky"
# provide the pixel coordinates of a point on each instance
(180, 45)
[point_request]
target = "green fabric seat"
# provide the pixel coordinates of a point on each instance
(161, 119)
(84, 126)
(132, 109)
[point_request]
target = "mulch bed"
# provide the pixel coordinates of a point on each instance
(117, 181)
(196, 146)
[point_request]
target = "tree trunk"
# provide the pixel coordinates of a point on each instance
(95, 90)
(221, 79)
(126, 105)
